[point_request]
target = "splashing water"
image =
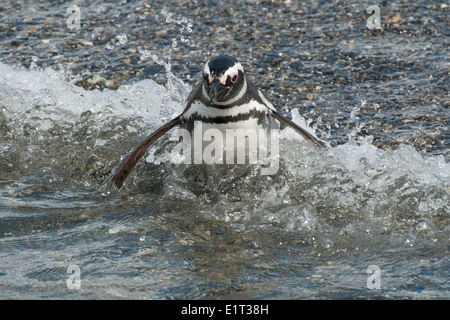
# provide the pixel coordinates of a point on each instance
(59, 145)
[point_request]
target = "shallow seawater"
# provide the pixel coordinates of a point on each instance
(310, 231)
(369, 218)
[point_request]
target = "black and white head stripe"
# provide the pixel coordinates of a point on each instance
(229, 73)
(221, 64)
(223, 68)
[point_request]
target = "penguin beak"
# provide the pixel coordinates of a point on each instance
(216, 90)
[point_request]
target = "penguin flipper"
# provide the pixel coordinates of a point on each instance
(305, 134)
(139, 151)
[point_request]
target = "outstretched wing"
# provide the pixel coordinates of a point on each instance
(137, 153)
(262, 99)
(305, 134)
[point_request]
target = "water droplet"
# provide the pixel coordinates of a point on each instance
(122, 38)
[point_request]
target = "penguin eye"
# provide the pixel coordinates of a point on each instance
(234, 78)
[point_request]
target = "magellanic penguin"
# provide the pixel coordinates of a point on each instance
(223, 99)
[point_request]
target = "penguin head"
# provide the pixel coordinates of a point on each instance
(223, 78)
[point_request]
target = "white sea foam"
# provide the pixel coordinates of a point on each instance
(51, 95)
